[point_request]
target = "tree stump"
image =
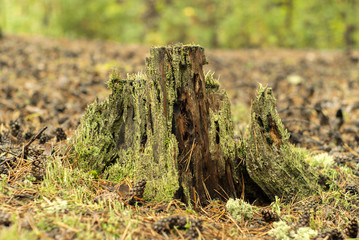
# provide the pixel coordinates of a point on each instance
(272, 162)
(171, 126)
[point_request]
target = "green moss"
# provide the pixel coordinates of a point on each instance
(93, 174)
(176, 66)
(221, 140)
(116, 142)
(132, 132)
(210, 81)
(272, 162)
(110, 128)
(13, 233)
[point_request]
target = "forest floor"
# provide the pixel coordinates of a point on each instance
(48, 83)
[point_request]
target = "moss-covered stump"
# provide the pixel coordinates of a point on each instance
(272, 162)
(171, 126)
(203, 128)
(111, 133)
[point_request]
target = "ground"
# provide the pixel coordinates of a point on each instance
(49, 83)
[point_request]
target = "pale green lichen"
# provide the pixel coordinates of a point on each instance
(239, 209)
(322, 161)
(281, 231)
(304, 233)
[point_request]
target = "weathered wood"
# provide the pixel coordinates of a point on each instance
(171, 126)
(112, 129)
(199, 116)
(272, 162)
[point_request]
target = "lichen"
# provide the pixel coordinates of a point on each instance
(239, 209)
(322, 161)
(303, 233)
(281, 231)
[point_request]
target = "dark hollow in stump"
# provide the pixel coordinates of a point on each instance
(171, 126)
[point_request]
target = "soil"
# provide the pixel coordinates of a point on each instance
(49, 82)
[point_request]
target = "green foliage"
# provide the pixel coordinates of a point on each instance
(211, 23)
(93, 174)
(275, 205)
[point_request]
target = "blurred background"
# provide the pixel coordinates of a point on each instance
(307, 51)
(322, 24)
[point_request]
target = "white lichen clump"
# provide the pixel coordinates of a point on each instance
(304, 233)
(323, 160)
(239, 209)
(281, 231)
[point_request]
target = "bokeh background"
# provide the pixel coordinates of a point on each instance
(322, 24)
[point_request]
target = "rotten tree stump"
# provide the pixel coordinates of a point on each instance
(171, 126)
(272, 162)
